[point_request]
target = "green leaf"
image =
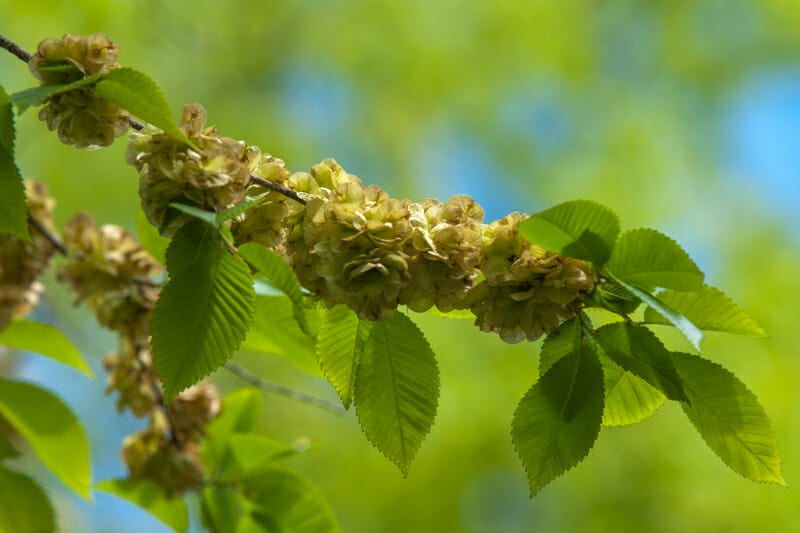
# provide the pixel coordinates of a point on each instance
(252, 451)
(240, 414)
(275, 268)
(275, 331)
(13, 208)
(150, 239)
(7, 450)
(45, 340)
(289, 502)
(209, 217)
(203, 312)
(51, 429)
(24, 507)
(681, 323)
(646, 258)
(559, 344)
(137, 93)
(581, 228)
(729, 418)
(557, 421)
(709, 309)
(637, 350)
(241, 207)
(221, 509)
(629, 399)
(340, 343)
(397, 389)
(455, 313)
(171, 511)
(33, 96)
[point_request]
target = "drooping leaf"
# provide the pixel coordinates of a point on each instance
(137, 93)
(275, 331)
(273, 267)
(150, 239)
(13, 209)
(24, 507)
(51, 429)
(397, 389)
(729, 418)
(171, 511)
(222, 509)
(33, 96)
(253, 451)
(581, 228)
(340, 343)
(557, 421)
(629, 399)
(209, 217)
(681, 323)
(203, 312)
(637, 350)
(289, 502)
(709, 309)
(559, 344)
(647, 258)
(45, 340)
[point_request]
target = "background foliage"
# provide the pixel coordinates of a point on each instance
(678, 115)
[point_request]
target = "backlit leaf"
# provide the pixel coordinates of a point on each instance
(33, 96)
(24, 507)
(340, 343)
(45, 340)
(629, 399)
(150, 497)
(397, 389)
(150, 239)
(559, 344)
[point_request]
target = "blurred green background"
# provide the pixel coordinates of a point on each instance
(680, 115)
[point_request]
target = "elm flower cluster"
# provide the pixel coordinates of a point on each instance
(81, 117)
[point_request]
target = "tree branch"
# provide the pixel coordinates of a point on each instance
(289, 193)
(283, 390)
(55, 241)
(15, 49)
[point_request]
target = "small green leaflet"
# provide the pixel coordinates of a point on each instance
(730, 419)
(51, 429)
(397, 389)
(13, 208)
(581, 228)
(137, 93)
(285, 501)
(709, 309)
(33, 96)
(149, 238)
(273, 267)
(629, 399)
(646, 258)
(204, 311)
(45, 340)
(340, 343)
(681, 323)
(24, 507)
(637, 350)
(557, 421)
(150, 497)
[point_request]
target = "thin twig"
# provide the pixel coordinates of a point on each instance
(283, 390)
(289, 193)
(15, 49)
(55, 241)
(135, 124)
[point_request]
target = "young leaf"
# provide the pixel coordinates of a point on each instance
(557, 421)
(559, 344)
(646, 258)
(240, 413)
(273, 267)
(709, 309)
(51, 429)
(24, 507)
(203, 312)
(252, 451)
(45, 340)
(637, 350)
(150, 239)
(681, 323)
(221, 509)
(288, 502)
(629, 399)
(580, 228)
(33, 96)
(275, 331)
(13, 209)
(136, 92)
(729, 418)
(397, 389)
(171, 511)
(340, 343)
